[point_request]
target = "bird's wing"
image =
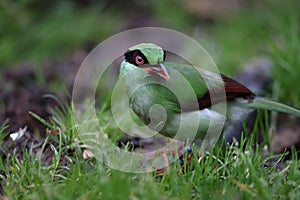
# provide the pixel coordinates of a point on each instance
(219, 85)
(232, 89)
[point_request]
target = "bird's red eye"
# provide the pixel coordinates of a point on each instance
(139, 60)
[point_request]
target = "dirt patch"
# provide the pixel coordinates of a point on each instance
(23, 89)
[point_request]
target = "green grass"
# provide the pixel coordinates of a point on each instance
(225, 172)
(286, 56)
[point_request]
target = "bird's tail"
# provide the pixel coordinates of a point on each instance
(268, 104)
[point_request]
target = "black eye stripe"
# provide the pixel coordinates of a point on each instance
(130, 57)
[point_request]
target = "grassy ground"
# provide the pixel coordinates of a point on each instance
(235, 171)
(226, 172)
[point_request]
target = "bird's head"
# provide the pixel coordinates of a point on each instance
(145, 56)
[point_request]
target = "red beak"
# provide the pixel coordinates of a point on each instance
(158, 69)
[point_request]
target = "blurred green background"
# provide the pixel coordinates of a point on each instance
(232, 31)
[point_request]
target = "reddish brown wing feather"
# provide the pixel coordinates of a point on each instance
(233, 89)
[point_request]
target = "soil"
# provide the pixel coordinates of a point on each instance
(22, 91)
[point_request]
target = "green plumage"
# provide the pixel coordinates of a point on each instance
(179, 93)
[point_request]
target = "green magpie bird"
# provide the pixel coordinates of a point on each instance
(165, 95)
